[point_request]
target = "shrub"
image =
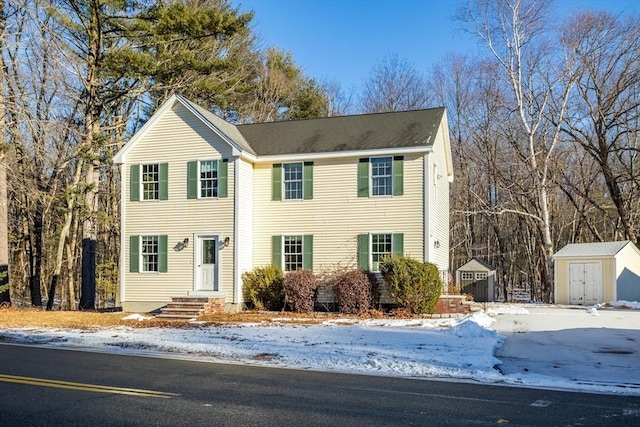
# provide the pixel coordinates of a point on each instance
(356, 291)
(263, 287)
(299, 290)
(415, 285)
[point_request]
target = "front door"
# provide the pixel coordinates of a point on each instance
(206, 264)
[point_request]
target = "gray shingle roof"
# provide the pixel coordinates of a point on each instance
(597, 249)
(403, 129)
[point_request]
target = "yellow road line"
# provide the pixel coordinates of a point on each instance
(42, 382)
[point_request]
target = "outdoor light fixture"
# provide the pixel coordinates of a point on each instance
(436, 244)
(185, 242)
(226, 241)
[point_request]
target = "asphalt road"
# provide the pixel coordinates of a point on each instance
(53, 387)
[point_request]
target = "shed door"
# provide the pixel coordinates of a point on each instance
(585, 283)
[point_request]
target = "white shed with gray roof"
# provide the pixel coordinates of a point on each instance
(592, 273)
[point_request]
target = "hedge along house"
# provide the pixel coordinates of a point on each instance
(477, 279)
(592, 273)
(204, 200)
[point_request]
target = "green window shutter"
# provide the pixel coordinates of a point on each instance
(134, 254)
(308, 181)
(276, 179)
(162, 254)
(276, 251)
(163, 172)
(363, 252)
(398, 175)
(363, 178)
(223, 178)
(134, 183)
(307, 252)
(192, 180)
(397, 244)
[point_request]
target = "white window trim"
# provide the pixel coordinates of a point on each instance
(199, 185)
(283, 261)
(284, 182)
(390, 233)
(142, 254)
(141, 181)
(371, 178)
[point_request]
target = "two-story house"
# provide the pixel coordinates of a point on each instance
(204, 200)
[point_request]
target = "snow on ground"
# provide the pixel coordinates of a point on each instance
(527, 344)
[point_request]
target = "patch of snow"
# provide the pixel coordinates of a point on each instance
(136, 316)
(541, 346)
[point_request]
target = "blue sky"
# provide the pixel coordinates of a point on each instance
(342, 40)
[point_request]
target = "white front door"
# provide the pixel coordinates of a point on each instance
(206, 257)
(585, 283)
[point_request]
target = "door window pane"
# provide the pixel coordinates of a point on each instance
(209, 251)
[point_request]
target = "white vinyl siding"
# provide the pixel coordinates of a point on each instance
(178, 217)
(336, 215)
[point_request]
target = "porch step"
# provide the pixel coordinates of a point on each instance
(187, 308)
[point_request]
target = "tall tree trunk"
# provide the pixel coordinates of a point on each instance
(64, 234)
(5, 295)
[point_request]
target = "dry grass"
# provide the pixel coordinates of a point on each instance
(24, 318)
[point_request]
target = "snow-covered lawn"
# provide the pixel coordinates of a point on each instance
(589, 349)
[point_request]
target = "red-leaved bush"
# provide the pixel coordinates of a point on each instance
(300, 290)
(356, 291)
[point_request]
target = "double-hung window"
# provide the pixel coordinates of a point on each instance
(292, 252)
(150, 253)
(380, 247)
(373, 247)
(149, 181)
(381, 176)
(209, 178)
(292, 180)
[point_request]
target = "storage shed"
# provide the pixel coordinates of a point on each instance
(592, 273)
(478, 279)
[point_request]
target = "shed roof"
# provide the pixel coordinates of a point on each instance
(401, 129)
(475, 264)
(592, 250)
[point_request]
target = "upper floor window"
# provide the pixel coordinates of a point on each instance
(381, 184)
(292, 180)
(381, 176)
(150, 182)
(209, 178)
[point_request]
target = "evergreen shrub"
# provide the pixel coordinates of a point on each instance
(416, 286)
(264, 287)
